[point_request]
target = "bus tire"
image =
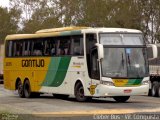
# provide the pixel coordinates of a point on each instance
(79, 93)
(121, 99)
(154, 89)
(159, 90)
(20, 89)
(27, 89)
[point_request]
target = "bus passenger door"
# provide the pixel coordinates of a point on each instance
(94, 64)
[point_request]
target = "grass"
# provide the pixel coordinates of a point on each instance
(9, 116)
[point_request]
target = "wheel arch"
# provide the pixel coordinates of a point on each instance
(78, 81)
(26, 80)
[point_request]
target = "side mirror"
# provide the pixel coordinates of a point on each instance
(152, 51)
(100, 51)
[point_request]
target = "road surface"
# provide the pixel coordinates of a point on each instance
(46, 106)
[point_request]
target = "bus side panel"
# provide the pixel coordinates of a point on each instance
(56, 79)
(62, 75)
(9, 76)
(35, 70)
(25, 69)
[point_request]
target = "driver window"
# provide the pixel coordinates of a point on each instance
(94, 64)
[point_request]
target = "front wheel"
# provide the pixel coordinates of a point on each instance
(27, 89)
(154, 90)
(121, 98)
(79, 93)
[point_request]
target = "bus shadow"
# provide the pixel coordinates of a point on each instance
(71, 99)
(94, 100)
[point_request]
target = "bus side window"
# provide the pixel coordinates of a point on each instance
(46, 47)
(37, 48)
(77, 45)
(53, 47)
(76, 49)
(18, 48)
(25, 48)
(9, 49)
(64, 46)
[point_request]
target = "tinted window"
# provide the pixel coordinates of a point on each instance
(77, 45)
(64, 46)
(50, 46)
(17, 48)
(9, 47)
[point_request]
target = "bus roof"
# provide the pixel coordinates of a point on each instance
(63, 29)
(111, 30)
(69, 31)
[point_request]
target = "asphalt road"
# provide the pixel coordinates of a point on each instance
(48, 107)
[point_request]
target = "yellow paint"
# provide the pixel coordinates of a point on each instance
(62, 29)
(120, 82)
(93, 112)
(13, 69)
(92, 89)
(43, 33)
(26, 36)
(76, 66)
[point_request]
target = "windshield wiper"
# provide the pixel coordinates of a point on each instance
(129, 62)
(122, 60)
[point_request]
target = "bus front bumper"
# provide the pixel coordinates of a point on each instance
(104, 91)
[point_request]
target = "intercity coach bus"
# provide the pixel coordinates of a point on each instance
(81, 61)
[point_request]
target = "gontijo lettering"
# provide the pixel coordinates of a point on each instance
(33, 63)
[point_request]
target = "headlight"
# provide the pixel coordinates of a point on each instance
(109, 83)
(146, 82)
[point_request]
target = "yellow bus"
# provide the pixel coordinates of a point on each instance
(81, 61)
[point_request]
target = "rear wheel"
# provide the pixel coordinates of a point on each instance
(20, 89)
(121, 98)
(154, 89)
(27, 89)
(79, 93)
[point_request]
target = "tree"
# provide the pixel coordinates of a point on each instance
(138, 14)
(43, 17)
(9, 22)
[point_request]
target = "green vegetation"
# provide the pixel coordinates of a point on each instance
(32, 15)
(8, 116)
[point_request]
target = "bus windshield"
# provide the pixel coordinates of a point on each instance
(124, 62)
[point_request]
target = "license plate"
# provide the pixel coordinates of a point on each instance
(128, 91)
